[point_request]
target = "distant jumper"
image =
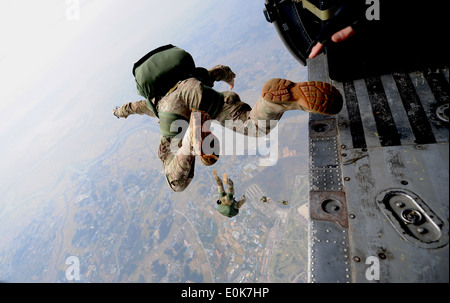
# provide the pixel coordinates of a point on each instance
(226, 204)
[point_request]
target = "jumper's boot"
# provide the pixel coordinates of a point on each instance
(205, 145)
(313, 96)
(225, 179)
(214, 172)
(219, 184)
(216, 177)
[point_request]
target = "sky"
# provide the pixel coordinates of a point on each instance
(45, 41)
(64, 64)
(53, 51)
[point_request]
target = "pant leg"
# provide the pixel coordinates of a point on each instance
(225, 107)
(178, 167)
(240, 117)
(197, 96)
(230, 191)
(130, 108)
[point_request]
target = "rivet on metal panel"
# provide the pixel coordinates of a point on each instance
(398, 204)
(422, 230)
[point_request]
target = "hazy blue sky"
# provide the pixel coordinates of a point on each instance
(61, 59)
(46, 46)
(65, 64)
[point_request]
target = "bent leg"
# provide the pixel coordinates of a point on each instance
(178, 167)
(230, 188)
(255, 122)
(197, 96)
(221, 190)
(278, 96)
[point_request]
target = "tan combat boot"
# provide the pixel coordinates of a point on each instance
(313, 96)
(214, 172)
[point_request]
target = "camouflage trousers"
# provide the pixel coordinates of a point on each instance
(227, 197)
(190, 94)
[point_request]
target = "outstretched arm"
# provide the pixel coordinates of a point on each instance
(241, 202)
(130, 108)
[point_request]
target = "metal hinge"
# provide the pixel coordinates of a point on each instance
(412, 218)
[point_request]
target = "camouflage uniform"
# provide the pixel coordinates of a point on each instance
(191, 94)
(227, 205)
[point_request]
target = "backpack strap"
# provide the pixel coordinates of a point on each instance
(152, 107)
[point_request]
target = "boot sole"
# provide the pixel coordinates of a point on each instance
(313, 96)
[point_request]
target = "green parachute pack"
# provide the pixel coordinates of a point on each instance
(227, 210)
(160, 70)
